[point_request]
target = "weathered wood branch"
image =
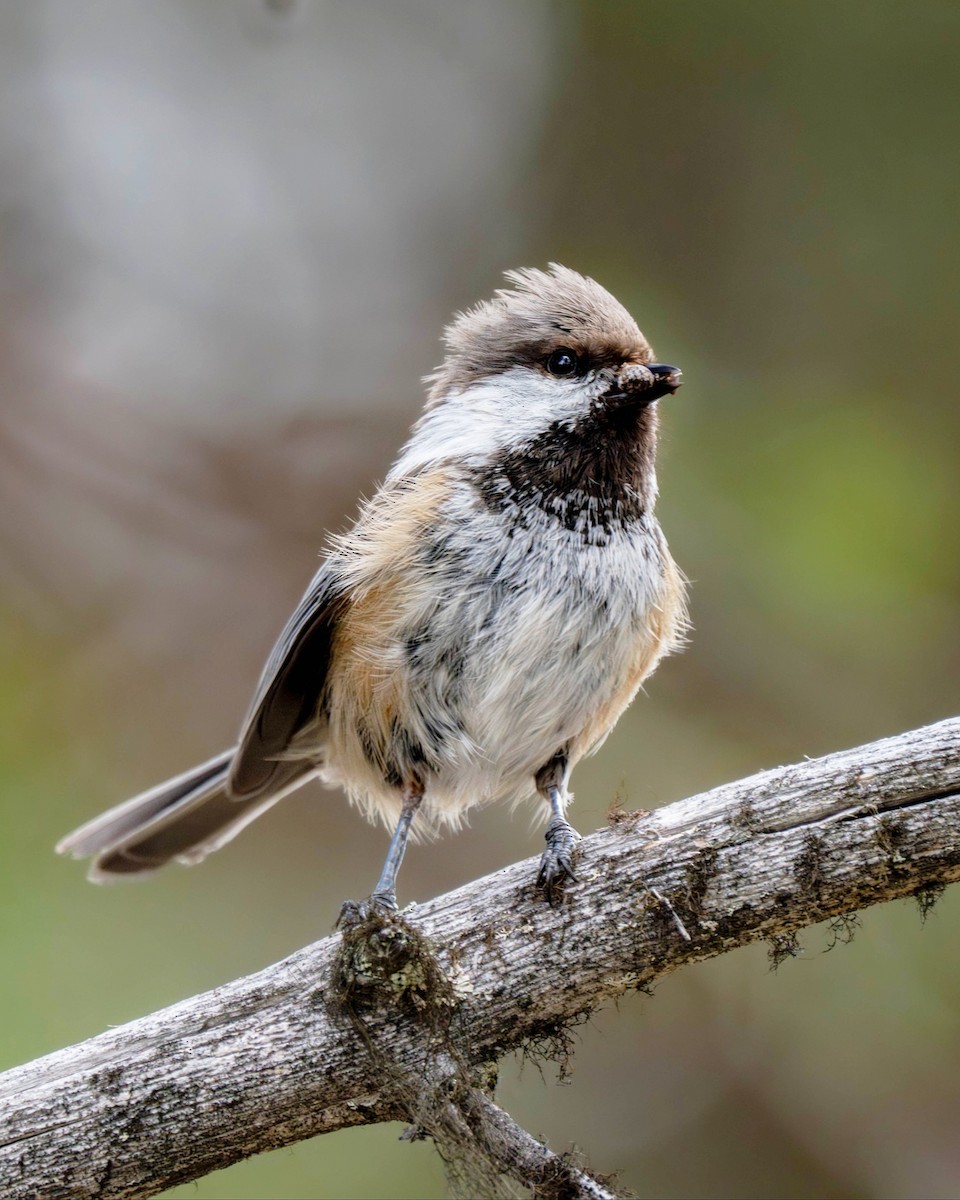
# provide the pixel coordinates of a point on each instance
(281, 1055)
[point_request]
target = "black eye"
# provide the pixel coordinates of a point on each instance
(563, 362)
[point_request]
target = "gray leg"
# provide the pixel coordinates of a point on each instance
(556, 863)
(385, 893)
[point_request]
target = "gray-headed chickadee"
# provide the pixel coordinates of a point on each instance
(487, 619)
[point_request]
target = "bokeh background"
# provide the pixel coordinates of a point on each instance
(229, 235)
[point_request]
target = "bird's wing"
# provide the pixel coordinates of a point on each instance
(289, 693)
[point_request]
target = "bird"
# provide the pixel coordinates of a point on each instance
(487, 618)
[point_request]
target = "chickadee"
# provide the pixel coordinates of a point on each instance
(487, 619)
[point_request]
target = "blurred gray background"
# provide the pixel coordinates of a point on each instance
(230, 233)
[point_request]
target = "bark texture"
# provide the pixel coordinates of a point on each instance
(396, 1019)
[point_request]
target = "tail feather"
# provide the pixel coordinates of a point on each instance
(183, 819)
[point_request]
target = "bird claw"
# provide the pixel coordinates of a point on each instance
(358, 912)
(556, 862)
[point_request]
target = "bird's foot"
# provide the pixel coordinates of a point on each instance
(556, 863)
(359, 912)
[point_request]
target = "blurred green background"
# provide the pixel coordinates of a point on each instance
(229, 236)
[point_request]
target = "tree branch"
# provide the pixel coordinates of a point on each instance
(314, 1044)
(520, 1156)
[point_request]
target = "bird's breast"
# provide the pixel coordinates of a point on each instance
(488, 644)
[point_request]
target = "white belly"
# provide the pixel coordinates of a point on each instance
(504, 650)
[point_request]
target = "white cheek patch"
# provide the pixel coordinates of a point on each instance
(500, 413)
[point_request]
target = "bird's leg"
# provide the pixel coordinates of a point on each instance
(385, 893)
(556, 863)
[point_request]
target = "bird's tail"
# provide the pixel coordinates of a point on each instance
(183, 819)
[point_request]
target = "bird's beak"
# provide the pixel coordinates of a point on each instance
(643, 383)
(666, 380)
